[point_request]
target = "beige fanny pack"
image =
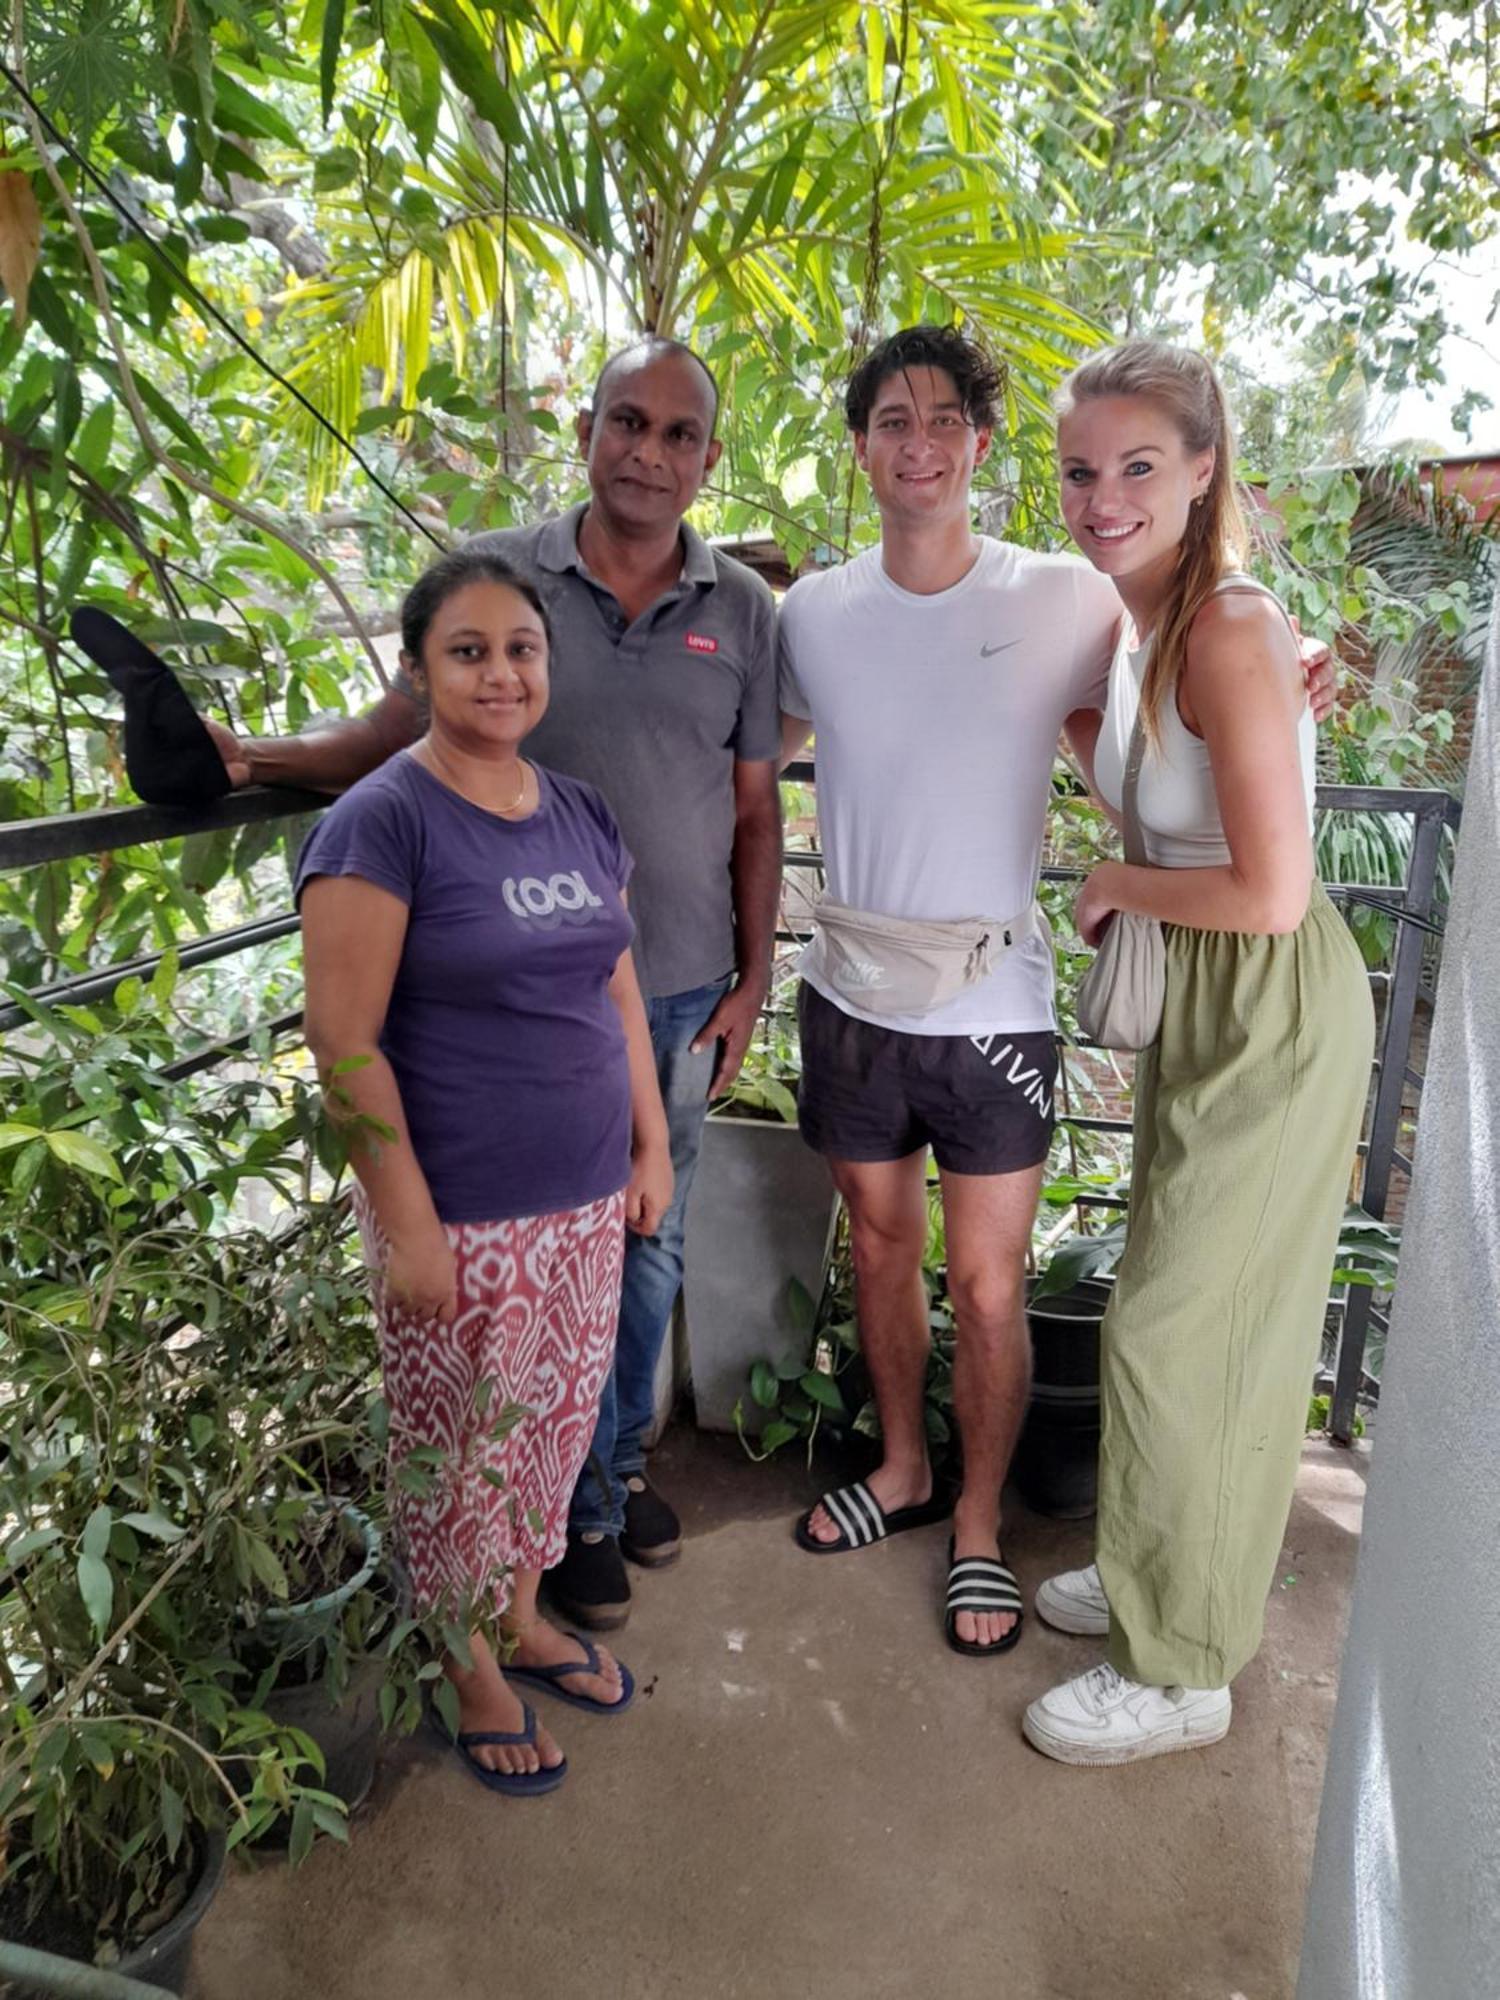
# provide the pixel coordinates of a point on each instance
(897, 965)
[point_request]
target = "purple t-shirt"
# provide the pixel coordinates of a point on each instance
(507, 1048)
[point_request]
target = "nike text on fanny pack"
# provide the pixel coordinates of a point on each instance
(860, 972)
(532, 897)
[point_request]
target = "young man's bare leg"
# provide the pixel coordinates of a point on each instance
(887, 1204)
(987, 1223)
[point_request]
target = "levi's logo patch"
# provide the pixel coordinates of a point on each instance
(700, 642)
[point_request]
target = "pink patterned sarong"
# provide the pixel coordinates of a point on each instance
(538, 1305)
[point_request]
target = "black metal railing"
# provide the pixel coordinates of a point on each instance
(1404, 986)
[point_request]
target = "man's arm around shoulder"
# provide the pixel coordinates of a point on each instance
(328, 759)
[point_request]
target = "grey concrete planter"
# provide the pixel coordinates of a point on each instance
(761, 1212)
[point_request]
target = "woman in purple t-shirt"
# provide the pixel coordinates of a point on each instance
(474, 1013)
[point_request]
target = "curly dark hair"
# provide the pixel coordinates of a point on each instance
(979, 377)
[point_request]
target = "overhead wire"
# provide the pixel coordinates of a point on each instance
(186, 284)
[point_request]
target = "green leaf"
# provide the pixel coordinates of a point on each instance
(222, 229)
(205, 857)
(471, 67)
(265, 1564)
(155, 1525)
(822, 1389)
(332, 1820)
(162, 407)
(96, 1532)
(171, 1813)
(763, 1386)
(164, 979)
(1080, 1257)
(328, 69)
(97, 1589)
(18, 1135)
(777, 1433)
(335, 169)
(237, 109)
(92, 447)
(802, 1307)
(445, 1701)
(183, 632)
(30, 1544)
(779, 1098)
(456, 1639)
(77, 1149)
(303, 1823)
(29, 1163)
(380, 418)
(100, 1752)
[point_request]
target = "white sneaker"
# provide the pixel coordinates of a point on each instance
(1074, 1602)
(1102, 1718)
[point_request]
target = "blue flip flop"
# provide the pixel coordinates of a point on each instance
(550, 1679)
(519, 1784)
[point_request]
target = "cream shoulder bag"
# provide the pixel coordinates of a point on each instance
(1120, 998)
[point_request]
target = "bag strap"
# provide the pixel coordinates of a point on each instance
(1238, 579)
(1135, 840)
(1135, 843)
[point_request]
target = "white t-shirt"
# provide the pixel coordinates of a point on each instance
(937, 721)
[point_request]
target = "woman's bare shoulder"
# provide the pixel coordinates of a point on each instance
(1240, 628)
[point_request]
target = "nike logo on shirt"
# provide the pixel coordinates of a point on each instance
(989, 652)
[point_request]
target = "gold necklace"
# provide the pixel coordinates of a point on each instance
(520, 795)
(434, 765)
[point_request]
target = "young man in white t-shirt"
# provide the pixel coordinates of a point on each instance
(937, 672)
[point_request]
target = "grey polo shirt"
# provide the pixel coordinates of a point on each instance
(655, 713)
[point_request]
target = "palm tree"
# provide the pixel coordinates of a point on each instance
(771, 179)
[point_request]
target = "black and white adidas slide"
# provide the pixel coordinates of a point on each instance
(861, 1520)
(978, 1584)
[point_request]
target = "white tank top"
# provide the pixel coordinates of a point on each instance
(1175, 797)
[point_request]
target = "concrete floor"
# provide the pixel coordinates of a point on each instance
(813, 1797)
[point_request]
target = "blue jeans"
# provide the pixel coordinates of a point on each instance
(653, 1266)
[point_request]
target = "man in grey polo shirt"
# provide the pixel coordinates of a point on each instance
(663, 683)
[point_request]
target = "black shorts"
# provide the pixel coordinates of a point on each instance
(983, 1103)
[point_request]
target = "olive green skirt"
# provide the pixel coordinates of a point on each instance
(1247, 1115)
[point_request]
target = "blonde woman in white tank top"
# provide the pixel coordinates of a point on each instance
(1248, 1106)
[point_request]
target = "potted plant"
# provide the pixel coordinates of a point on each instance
(816, 1381)
(1056, 1462)
(165, 1380)
(125, 1746)
(761, 1218)
(320, 1657)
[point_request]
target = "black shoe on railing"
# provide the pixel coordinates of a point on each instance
(170, 758)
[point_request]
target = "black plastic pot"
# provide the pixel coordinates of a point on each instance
(294, 1640)
(1056, 1464)
(163, 1958)
(347, 1733)
(156, 1968)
